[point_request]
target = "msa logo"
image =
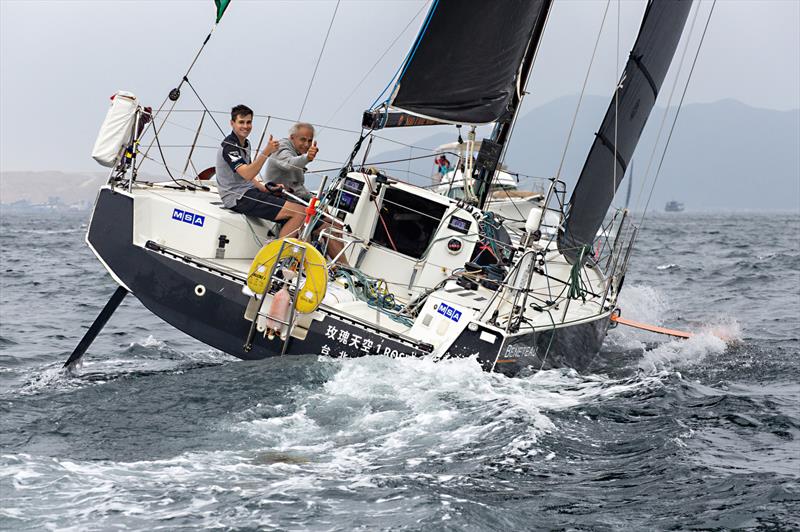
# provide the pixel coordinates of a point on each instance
(449, 312)
(188, 217)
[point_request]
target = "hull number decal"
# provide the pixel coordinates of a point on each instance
(188, 217)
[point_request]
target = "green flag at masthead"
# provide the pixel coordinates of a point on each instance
(222, 5)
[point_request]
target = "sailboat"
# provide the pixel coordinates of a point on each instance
(430, 275)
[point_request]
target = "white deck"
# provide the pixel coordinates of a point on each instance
(156, 218)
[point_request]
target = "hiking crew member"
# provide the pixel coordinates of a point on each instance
(238, 183)
(243, 191)
(287, 165)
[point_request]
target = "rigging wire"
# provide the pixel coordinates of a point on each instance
(583, 92)
(282, 119)
(199, 99)
(189, 185)
(221, 141)
(666, 109)
(409, 56)
(523, 92)
(358, 85)
(175, 101)
(616, 103)
(313, 172)
(677, 112)
(314, 75)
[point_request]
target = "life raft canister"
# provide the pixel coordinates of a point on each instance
(315, 271)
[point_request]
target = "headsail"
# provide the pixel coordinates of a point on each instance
(624, 121)
(464, 66)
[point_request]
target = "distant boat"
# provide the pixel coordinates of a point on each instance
(673, 206)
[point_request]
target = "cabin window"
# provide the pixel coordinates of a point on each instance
(456, 193)
(411, 222)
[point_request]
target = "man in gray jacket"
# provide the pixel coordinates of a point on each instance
(287, 165)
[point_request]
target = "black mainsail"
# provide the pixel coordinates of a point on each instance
(465, 66)
(624, 121)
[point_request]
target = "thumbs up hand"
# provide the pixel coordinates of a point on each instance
(312, 151)
(271, 147)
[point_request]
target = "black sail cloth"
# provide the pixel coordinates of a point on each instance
(464, 64)
(637, 91)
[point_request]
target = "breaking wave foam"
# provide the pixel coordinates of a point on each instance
(713, 339)
(376, 425)
(648, 305)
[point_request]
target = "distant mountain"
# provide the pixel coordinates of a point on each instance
(722, 155)
(49, 187)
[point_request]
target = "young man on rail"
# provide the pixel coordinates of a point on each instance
(238, 183)
(243, 191)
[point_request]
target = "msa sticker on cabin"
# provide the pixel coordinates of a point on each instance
(188, 217)
(449, 312)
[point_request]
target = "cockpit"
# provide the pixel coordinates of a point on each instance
(404, 234)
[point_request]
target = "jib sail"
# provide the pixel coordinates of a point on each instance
(623, 123)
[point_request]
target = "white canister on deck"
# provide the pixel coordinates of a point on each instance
(115, 133)
(534, 219)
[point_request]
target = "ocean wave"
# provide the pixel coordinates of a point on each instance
(95, 368)
(6, 342)
(70, 231)
(678, 353)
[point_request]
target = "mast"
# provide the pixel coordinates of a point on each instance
(630, 186)
(504, 125)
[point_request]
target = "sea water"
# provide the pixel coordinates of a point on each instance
(158, 431)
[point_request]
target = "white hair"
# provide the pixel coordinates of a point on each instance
(300, 125)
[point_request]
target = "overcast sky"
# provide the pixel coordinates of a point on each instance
(60, 60)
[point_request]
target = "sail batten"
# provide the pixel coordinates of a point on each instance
(613, 149)
(637, 60)
(624, 121)
(464, 64)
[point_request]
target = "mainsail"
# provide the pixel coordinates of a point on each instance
(464, 66)
(622, 126)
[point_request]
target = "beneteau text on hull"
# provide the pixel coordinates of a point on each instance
(430, 275)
